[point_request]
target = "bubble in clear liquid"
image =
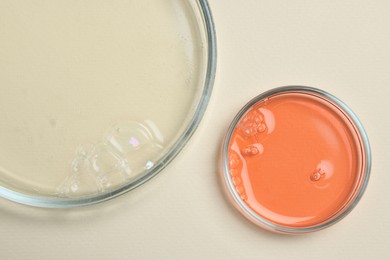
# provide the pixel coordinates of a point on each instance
(74, 187)
(129, 148)
(138, 143)
(78, 184)
(81, 162)
(66, 187)
(102, 160)
(130, 137)
(104, 183)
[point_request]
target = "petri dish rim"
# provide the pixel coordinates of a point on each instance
(351, 202)
(57, 202)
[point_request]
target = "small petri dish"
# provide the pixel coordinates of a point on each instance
(295, 160)
(97, 97)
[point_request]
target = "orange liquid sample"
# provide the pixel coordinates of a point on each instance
(295, 159)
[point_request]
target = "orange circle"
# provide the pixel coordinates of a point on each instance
(310, 160)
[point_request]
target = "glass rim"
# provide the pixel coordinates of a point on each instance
(59, 202)
(351, 202)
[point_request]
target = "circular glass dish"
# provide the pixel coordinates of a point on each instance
(295, 160)
(98, 97)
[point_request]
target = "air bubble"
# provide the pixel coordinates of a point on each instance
(240, 190)
(129, 148)
(236, 181)
(124, 167)
(261, 128)
(250, 151)
(317, 175)
(233, 172)
(79, 164)
(234, 160)
(128, 138)
(70, 185)
(251, 124)
(249, 130)
(258, 119)
(78, 184)
(138, 143)
(74, 187)
(103, 183)
(103, 160)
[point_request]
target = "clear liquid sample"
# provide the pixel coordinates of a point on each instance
(94, 86)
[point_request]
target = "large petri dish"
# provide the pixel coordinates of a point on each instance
(97, 97)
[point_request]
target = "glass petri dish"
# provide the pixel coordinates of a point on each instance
(98, 96)
(295, 160)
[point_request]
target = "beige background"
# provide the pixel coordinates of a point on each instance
(341, 46)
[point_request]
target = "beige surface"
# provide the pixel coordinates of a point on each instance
(340, 46)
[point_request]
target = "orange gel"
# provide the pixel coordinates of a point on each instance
(295, 159)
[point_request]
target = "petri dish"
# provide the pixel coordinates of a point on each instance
(295, 160)
(97, 97)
